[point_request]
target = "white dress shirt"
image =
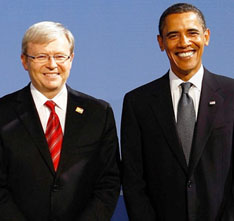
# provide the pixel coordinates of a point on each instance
(44, 112)
(194, 92)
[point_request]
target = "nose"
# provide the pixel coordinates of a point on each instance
(51, 63)
(184, 41)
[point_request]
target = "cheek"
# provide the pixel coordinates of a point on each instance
(170, 55)
(66, 69)
(170, 48)
(198, 42)
(34, 67)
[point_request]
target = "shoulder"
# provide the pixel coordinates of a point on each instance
(14, 96)
(96, 111)
(147, 89)
(223, 82)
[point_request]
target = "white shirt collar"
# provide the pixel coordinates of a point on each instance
(196, 79)
(60, 99)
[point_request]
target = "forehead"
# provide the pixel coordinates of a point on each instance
(60, 44)
(186, 20)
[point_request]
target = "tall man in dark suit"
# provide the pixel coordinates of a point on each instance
(177, 144)
(58, 147)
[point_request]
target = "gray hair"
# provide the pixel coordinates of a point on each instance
(46, 31)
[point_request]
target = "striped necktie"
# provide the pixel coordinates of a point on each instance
(54, 134)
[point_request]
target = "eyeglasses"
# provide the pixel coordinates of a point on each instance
(43, 58)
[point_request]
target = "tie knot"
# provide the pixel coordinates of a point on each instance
(185, 87)
(51, 105)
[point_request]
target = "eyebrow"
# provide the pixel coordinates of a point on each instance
(193, 29)
(175, 32)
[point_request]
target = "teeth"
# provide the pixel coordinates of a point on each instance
(52, 74)
(185, 54)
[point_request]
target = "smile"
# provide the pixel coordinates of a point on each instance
(51, 74)
(185, 54)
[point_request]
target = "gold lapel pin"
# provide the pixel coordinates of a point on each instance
(212, 103)
(79, 110)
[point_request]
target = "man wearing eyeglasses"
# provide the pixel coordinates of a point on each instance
(58, 147)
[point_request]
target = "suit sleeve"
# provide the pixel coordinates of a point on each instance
(107, 187)
(228, 210)
(228, 214)
(8, 209)
(134, 186)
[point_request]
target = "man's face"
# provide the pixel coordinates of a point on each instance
(48, 77)
(183, 39)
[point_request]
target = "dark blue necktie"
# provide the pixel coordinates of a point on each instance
(186, 119)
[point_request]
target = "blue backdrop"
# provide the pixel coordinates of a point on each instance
(116, 48)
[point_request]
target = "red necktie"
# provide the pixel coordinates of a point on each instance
(54, 134)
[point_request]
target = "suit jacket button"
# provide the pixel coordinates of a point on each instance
(55, 188)
(189, 184)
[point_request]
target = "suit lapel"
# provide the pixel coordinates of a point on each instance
(163, 108)
(76, 113)
(210, 102)
(28, 114)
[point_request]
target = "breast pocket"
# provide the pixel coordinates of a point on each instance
(222, 129)
(86, 148)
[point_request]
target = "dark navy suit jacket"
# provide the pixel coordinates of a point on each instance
(158, 185)
(86, 185)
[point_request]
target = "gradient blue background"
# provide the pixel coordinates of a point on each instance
(116, 48)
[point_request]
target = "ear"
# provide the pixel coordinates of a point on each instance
(24, 61)
(207, 36)
(72, 56)
(160, 42)
(71, 59)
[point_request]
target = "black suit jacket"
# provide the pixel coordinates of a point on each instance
(86, 185)
(157, 183)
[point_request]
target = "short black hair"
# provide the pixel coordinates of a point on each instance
(180, 8)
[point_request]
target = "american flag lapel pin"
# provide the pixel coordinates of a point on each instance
(79, 110)
(211, 103)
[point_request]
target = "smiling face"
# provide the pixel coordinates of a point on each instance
(48, 77)
(183, 39)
